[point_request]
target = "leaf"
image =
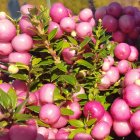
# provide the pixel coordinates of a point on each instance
(46, 62)
(101, 99)
(85, 42)
(82, 96)
(66, 111)
(52, 34)
(41, 124)
(35, 109)
(13, 96)
(104, 38)
(111, 48)
(59, 45)
(19, 107)
(22, 66)
(90, 96)
(35, 61)
(68, 79)
(82, 103)
(84, 63)
(65, 44)
(3, 124)
(23, 77)
(76, 123)
(57, 96)
(74, 132)
(87, 55)
(72, 40)
(54, 77)
(61, 67)
(106, 106)
(136, 109)
(22, 117)
(109, 138)
(103, 53)
(5, 100)
(91, 122)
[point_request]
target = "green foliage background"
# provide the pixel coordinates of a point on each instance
(74, 5)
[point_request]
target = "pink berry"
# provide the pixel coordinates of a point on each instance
(123, 108)
(49, 113)
(122, 51)
(52, 26)
(47, 93)
(58, 11)
(85, 14)
(5, 48)
(23, 57)
(93, 109)
(22, 43)
(100, 130)
(67, 24)
(7, 30)
(83, 29)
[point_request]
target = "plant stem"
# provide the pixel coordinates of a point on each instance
(52, 52)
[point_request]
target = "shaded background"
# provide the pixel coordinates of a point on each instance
(74, 5)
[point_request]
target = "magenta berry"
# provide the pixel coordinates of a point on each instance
(58, 11)
(93, 109)
(49, 113)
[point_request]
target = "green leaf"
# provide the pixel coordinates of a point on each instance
(85, 42)
(76, 123)
(65, 44)
(90, 96)
(59, 45)
(66, 111)
(91, 122)
(82, 103)
(82, 96)
(106, 106)
(74, 132)
(104, 38)
(111, 47)
(22, 66)
(72, 40)
(4, 71)
(35, 61)
(41, 124)
(13, 97)
(19, 107)
(88, 55)
(5, 100)
(52, 34)
(3, 124)
(22, 117)
(57, 96)
(103, 53)
(23, 77)
(46, 62)
(68, 79)
(61, 67)
(35, 109)
(109, 138)
(101, 99)
(54, 77)
(84, 63)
